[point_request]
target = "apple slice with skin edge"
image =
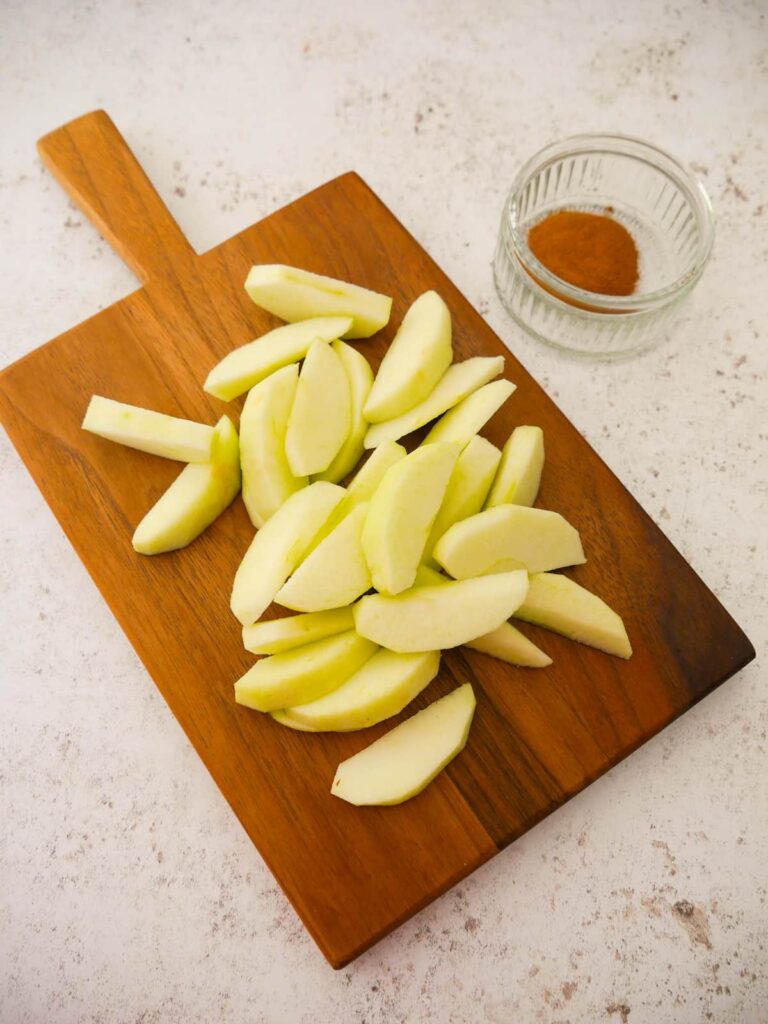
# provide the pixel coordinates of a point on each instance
(335, 573)
(274, 636)
(279, 546)
(416, 359)
(405, 760)
(249, 364)
(360, 376)
(304, 674)
(294, 294)
(149, 431)
(438, 617)
(267, 478)
(401, 514)
(519, 474)
(558, 603)
(541, 540)
(457, 382)
(197, 496)
(384, 685)
(461, 423)
(321, 416)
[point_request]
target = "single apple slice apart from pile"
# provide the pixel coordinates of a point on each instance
(197, 496)
(557, 603)
(416, 359)
(360, 377)
(294, 294)
(461, 423)
(304, 674)
(245, 366)
(321, 416)
(149, 431)
(273, 636)
(405, 760)
(519, 474)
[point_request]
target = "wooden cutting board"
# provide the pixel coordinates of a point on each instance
(539, 736)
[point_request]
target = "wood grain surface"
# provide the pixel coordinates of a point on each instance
(539, 736)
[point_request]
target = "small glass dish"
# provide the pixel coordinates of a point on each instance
(662, 205)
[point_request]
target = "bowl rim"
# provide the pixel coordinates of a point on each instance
(561, 292)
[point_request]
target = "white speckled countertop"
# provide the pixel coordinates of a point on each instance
(129, 891)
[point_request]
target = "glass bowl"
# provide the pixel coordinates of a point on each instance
(662, 205)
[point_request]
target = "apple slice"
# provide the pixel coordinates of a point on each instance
(417, 358)
(519, 474)
(285, 718)
(335, 573)
(267, 478)
(438, 617)
(405, 760)
(557, 603)
(457, 382)
(294, 294)
(467, 489)
(360, 376)
(401, 514)
(273, 636)
(304, 674)
(148, 431)
(196, 497)
(321, 416)
(379, 690)
(539, 539)
(461, 423)
(279, 546)
(245, 366)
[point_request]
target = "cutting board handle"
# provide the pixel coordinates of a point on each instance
(91, 159)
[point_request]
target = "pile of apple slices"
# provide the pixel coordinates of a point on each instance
(420, 552)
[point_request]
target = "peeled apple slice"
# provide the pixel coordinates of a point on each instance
(285, 718)
(273, 636)
(335, 573)
(380, 689)
(196, 497)
(267, 478)
(401, 514)
(417, 358)
(279, 546)
(360, 376)
(557, 603)
(303, 675)
(321, 416)
(461, 423)
(519, 474)
(438, 617)
(245, 366)
(404, 761)
(484, 543)
(294, 294)
(457, 382)
(148, 431)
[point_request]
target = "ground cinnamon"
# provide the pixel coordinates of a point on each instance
(589, 250)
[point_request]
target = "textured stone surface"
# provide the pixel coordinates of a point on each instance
(129, 892)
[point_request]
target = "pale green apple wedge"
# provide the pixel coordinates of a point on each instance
(417, 358)
(294, 294)
(279, 546)
(484, 543)
(321, 416)
(461, 423)
(360, 377)
(403, 762)
(285, 718)
(467, 489)
(519, 473)
(401, 514)
(457, 382)
(384, 685)
(273, 636)
(245, 366)
(148, 431)
(304, 674)
(557, 603)
(267, 477)
(335, 573)
(196, 497)
(437, 617)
